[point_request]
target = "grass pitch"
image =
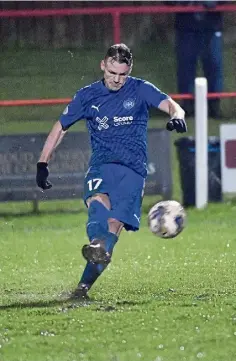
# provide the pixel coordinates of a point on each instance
(159, 300)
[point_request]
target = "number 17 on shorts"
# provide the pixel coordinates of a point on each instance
(93, 183)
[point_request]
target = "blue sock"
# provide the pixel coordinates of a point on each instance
(97, 226)
(91, 272)
(110, 241)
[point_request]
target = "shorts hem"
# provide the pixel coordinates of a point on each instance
(91, 195)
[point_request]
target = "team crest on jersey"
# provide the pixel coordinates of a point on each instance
(129, 103)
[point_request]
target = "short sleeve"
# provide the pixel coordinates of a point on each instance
(151, 94)
(73, 112)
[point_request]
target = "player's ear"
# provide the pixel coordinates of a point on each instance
(102, 65)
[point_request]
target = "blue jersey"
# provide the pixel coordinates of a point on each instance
(116, 121)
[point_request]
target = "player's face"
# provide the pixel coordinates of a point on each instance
(115, 74)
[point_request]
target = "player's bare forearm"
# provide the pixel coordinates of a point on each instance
(176, 113)
(172, 108)
(53, 140)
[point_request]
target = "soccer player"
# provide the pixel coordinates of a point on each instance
(116, 110)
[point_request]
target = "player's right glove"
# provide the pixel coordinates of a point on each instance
(42, 175)
(178, 124)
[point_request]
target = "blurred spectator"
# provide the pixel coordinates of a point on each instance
(199, 36)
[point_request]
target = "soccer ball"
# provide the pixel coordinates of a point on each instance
(166, 219)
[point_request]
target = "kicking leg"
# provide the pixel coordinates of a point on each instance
(101, 242)
(103, 233)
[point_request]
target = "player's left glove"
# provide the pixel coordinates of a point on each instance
(178, 124)
(42, 175)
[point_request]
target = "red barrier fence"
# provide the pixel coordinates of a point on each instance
(115, 12)
(27, 102)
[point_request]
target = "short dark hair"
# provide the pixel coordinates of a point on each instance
(120, 53)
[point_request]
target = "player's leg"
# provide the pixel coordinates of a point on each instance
(98, 207)
(126, 201)
(115, 226)
(100, 183)
(91, 273)
(98, 253)
(102, 239)
(125, 198)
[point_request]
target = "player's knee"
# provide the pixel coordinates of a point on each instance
(115, 226)
(100, 197)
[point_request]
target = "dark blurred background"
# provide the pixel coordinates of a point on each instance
(53, 56)
(91, 30)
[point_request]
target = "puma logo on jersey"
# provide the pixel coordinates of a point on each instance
(95, 107)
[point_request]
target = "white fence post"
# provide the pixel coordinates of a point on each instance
(201, 143)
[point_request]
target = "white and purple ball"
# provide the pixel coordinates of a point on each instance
(166, 219)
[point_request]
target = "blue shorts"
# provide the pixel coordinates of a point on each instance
(124, 188)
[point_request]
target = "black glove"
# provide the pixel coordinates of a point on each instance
(178, 124)
(42, 175)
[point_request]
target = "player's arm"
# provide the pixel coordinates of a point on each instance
(176, 113)
(172, 108)
(156, 98)
(72, 113)
(53, 140)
